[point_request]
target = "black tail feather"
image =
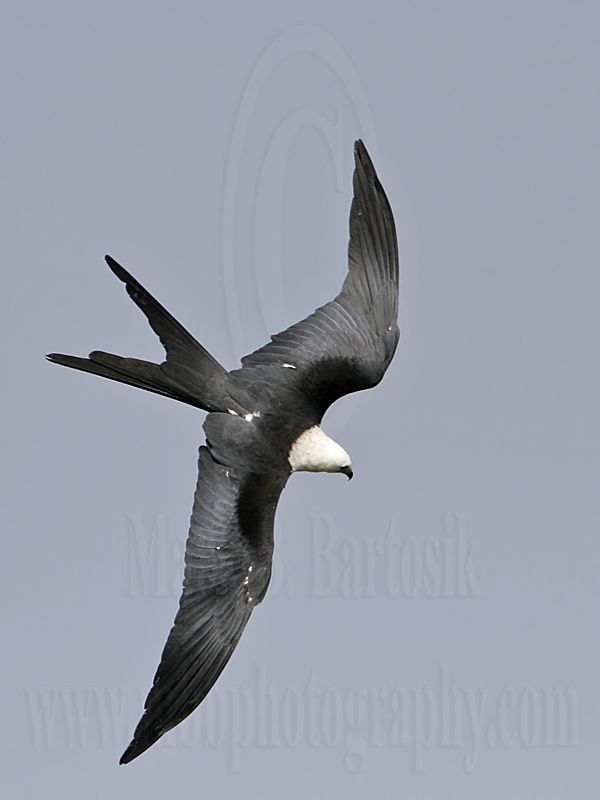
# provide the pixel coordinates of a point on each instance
(189, 374)
(132, 372)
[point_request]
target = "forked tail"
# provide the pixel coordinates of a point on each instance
(189, 373)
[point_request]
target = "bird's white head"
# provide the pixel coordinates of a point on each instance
(314, 451)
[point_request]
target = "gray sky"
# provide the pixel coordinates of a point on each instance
(431, 628)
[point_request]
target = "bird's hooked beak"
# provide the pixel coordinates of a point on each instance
(347, 472)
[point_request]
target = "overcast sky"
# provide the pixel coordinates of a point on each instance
(431, 631)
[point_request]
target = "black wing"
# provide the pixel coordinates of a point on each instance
(346, 345)
(227, 571)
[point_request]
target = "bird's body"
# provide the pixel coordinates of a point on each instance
(263, 424)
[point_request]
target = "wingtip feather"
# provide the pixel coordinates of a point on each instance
(117, 269)
(136, 747)
(128, 755)
(362, 159)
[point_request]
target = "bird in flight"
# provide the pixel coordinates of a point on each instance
(264, 423)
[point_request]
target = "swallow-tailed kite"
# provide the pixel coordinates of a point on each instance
(263, 425)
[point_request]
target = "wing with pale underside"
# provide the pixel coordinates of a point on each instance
(227, 571)
(347, 345)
